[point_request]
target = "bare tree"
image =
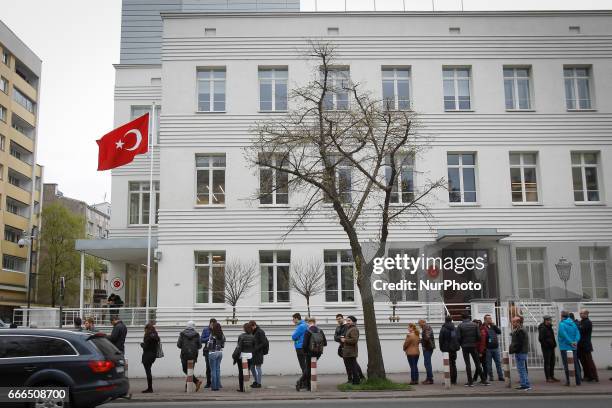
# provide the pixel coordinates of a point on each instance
(343, 148)
(239, 278)
(308, 279)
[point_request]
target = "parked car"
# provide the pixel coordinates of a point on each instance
(88, 364)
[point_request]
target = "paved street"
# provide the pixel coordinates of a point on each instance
(526, 401)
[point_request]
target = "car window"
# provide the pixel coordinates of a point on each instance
(107, 348)
(31, 346)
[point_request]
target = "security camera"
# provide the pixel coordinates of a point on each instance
(22, 242)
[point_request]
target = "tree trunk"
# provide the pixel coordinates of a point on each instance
(233, 313)
(376, 364)
(308, 305)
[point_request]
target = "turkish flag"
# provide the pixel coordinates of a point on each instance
(121, 145)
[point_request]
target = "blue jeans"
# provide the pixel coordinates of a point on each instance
(566, 368)
(414, 368)
(427, 361)
(493, 355)
(214, 357)
(256, 371)
(521, 366)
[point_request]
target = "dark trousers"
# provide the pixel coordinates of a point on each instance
(305, 378)
(240, 377)
(301, 356)
(566, 367)
(351, 363)
(588, 366)
(452, 362)
(482, 359)
(147, 367)
(208, 376)
(467, 352)
(349, 372)
(413, 361)
(184, 363)
(549, 362)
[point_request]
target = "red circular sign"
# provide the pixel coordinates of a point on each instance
(433, 272)
(117, 284)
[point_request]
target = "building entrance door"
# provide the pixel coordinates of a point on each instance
(486, 276)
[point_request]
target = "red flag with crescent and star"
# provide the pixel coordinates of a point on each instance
(121, 145)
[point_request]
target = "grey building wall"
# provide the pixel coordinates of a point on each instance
(141, 25)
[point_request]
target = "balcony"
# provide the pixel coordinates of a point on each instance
(22, 126)
(21, 153)
(19, 180)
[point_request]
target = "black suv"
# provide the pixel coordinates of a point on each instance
(88, 364)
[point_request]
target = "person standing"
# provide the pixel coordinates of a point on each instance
(546, 337)
(190, 343)
(428, 342)
(244, 350)
(150, 345)
(338, 334)
(118, 334)
(492, 348)
(585, 348)
(449, 343)
(298, 339)
(568, 337)
(216, 342)
(314, 343)
(261, 347)
(204, 337)
(411, 348)
(78, 324)
(481, 349)
(89, 325)
(469, 336)
(350, 348)
(519, 346)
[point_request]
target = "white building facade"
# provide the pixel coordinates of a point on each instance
(518, 109)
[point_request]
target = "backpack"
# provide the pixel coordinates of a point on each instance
(317, 341)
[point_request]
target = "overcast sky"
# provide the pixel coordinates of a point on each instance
(78, 41)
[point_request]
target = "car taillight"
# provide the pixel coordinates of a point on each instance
(101, 366)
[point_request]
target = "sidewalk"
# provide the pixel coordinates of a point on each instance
(283, 388)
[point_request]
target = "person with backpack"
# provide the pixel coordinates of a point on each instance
(314, 343)
(216, 342)
(492, 333)
(243, 350)
(428, 342)
(449, 343)
(261, 347)
(469, 336)
(190, 343)
(150, 346)
(298, 339)
(411, 348)
(204, 337)
(350, 348)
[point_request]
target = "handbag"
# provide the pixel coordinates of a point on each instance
(160, 350)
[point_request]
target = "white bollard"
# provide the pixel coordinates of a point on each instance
(507, 373)
(572, 369)
(313, 374)
(246, 375)
(189, 385)
(447, 379)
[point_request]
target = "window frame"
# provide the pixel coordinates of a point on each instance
(404, 274)
(401, 157)
(456, 87)
(141, 192)
(528, 262)
(515, 88)
(275, 264)
(335, 75)
(23, 100)
(592, 262)
(461, 166)
(395, 79)
(211, 265)
(147, 109)
(338, 264)
(211, 88)
(5, 87)
(3, 113)
(77, 354)
(582, 167)
(522, 166)
(574, 78)
(211, 170)
(24, 260)
(273, 81)
(274, 193)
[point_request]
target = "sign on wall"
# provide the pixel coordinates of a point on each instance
(116, 283)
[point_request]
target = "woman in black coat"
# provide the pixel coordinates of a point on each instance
(244, 349)
(150, 345)
(260, 347)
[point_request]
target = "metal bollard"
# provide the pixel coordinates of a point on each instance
(447, 379)
(571, 368)
(313, 374)
(129, 393)
(507, 373)
(246, 375)
(189, 385)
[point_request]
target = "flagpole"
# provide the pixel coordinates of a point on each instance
(152, 196)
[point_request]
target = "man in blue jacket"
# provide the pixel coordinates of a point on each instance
(298, 339)
(568, 337)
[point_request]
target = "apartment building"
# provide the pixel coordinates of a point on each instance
(20, 176)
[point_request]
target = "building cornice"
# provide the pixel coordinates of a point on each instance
(136, 66)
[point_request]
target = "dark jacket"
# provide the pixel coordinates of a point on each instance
(149, 346)
(351, 341)
(260, 343)
(307, 338)
(340, 331)
(215, 343)
(428, 340)
(520, 342)
(246, 343)
(585, 345)
(448, 341)
(118, 335)
(189, 342)
(492, 339)
(546, 337)
(468, 334)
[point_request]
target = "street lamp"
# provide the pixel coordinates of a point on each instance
(564, 269)
(29, 241)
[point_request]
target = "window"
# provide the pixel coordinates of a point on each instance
(1, 171)
(17, 207)
(2, 142)
(517, 88)
(273, 89)
(210, 179)
(461, 177)
(396, 88)
(23, 100)
(523, 177)
(456, 89)
(137, 111)
(6, 58)
(584, 176)
(343, 181)
(3, 84)
(339, 276)
(2, 113)
(34, 346)
(577, 87)
(12, 234)
(593, 263)
(338, 87)
(530, 271)
(397, 275)
(210, 275)
(211, 89)
(275, 276)
(273, 183)
(403, 188)
(139, 192)
(13, 263)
